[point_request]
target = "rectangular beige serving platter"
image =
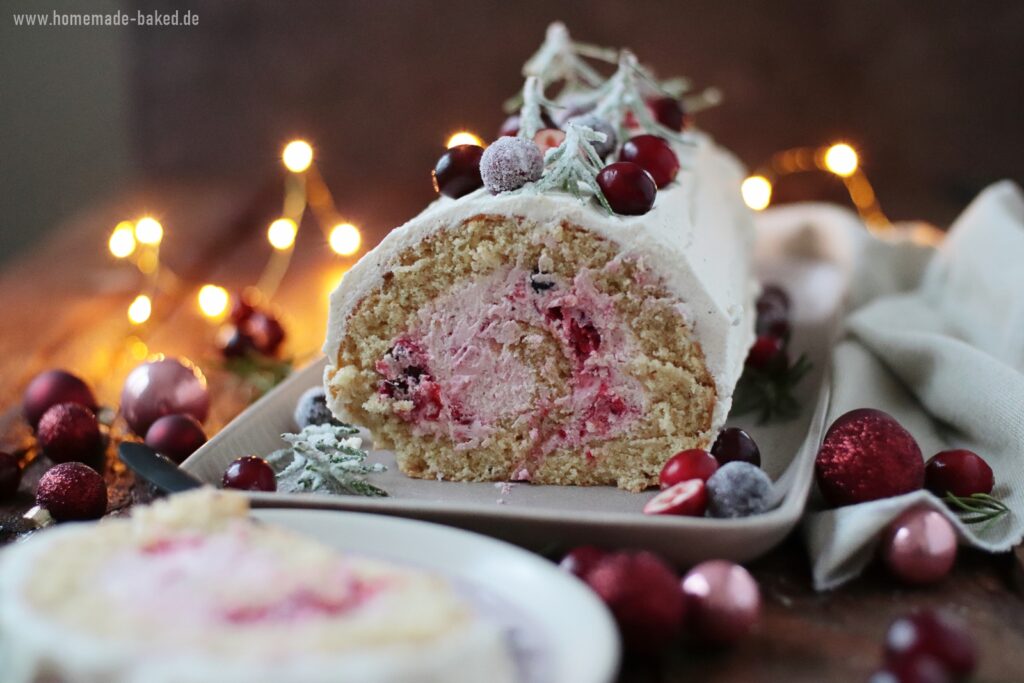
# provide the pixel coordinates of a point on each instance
(550, 517)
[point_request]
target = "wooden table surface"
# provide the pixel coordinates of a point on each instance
(64, 306)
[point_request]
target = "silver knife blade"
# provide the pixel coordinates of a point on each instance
(159, 471)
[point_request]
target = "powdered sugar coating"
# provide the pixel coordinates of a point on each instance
(596, 123)
(738, 489)
(508, 163)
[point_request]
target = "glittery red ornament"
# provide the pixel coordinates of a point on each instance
(69, 431)
(49, 388)
(72, 491)
(867, 455)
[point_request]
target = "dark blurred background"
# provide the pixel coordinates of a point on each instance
(930, 92)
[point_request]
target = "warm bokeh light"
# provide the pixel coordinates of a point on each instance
(122, 240)
(149, 231)
(281, 233)
(841, 159)
(757, 192)
(137, 348)
(213, 301)
(297, 156)
(464, 137)
(140, 310)
(344, 239)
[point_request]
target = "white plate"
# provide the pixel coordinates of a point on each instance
(810, 263)
(559, 630)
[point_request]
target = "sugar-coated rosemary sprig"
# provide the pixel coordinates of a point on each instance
(326, 458)
(573, 166)
(977, 508)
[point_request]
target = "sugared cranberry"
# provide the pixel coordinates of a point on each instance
(457, 172)
(629, 189)
(654, 155)
(767, 353)
(668, 111)
(250, 473)
(266, 332)
(49, 388)
(685, 465)
(69, 431)
(960, 472)
(644, 595)
(175, 436)
(930, 634)
(687, 498)
(735, 444)
(10, 475)
(773, 308)
(920, 670)
(579, 561)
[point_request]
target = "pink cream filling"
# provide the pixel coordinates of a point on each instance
(199, 579)
(458, 367)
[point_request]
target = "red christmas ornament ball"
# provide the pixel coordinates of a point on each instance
(49, 388)
(176, 436)
(580, 560)
(644, 595)
(867, 455)
(931, 634)
(72, 491)
(69, 431)
(163, 387)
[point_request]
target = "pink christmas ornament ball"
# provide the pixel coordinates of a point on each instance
(167, 386)
(919, 547)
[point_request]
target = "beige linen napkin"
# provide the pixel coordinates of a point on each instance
(936, 338)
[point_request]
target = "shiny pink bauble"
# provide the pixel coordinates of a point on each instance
(723, 601)
(919, 546)
(163, 387)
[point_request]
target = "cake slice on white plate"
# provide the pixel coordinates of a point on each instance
(524, 331)
(192, 591)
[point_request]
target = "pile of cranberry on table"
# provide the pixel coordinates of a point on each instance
(645, 164)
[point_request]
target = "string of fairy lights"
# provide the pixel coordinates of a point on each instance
(139, 241)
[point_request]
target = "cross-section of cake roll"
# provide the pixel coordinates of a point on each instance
(580, 318)
(191, 591)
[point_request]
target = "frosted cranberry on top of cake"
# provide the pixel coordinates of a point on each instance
(195, 588)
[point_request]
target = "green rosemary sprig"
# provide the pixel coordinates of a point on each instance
(769, 392)
(977, 508)
(261, 372)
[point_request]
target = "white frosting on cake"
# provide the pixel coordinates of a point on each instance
(698, 238)
(181, 597)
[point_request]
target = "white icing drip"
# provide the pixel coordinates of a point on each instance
(698, 237)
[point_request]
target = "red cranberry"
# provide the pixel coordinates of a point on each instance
(548, 138)
(629, 189)
(685, 465)
(10, 475)
(265, 331)
(241, 308)
(49, 388)
(579, 561)
(919, 670)
(250, 473)
(773, 312)
(930, 634)
(72, 491)
(644, 595)
(768, 353)
(457, 172)
(735, 444)
(175, 436)
(960, 472)
(654, 155)
(69, 431)
(668, 111)
(687, 498)
(233, 342)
